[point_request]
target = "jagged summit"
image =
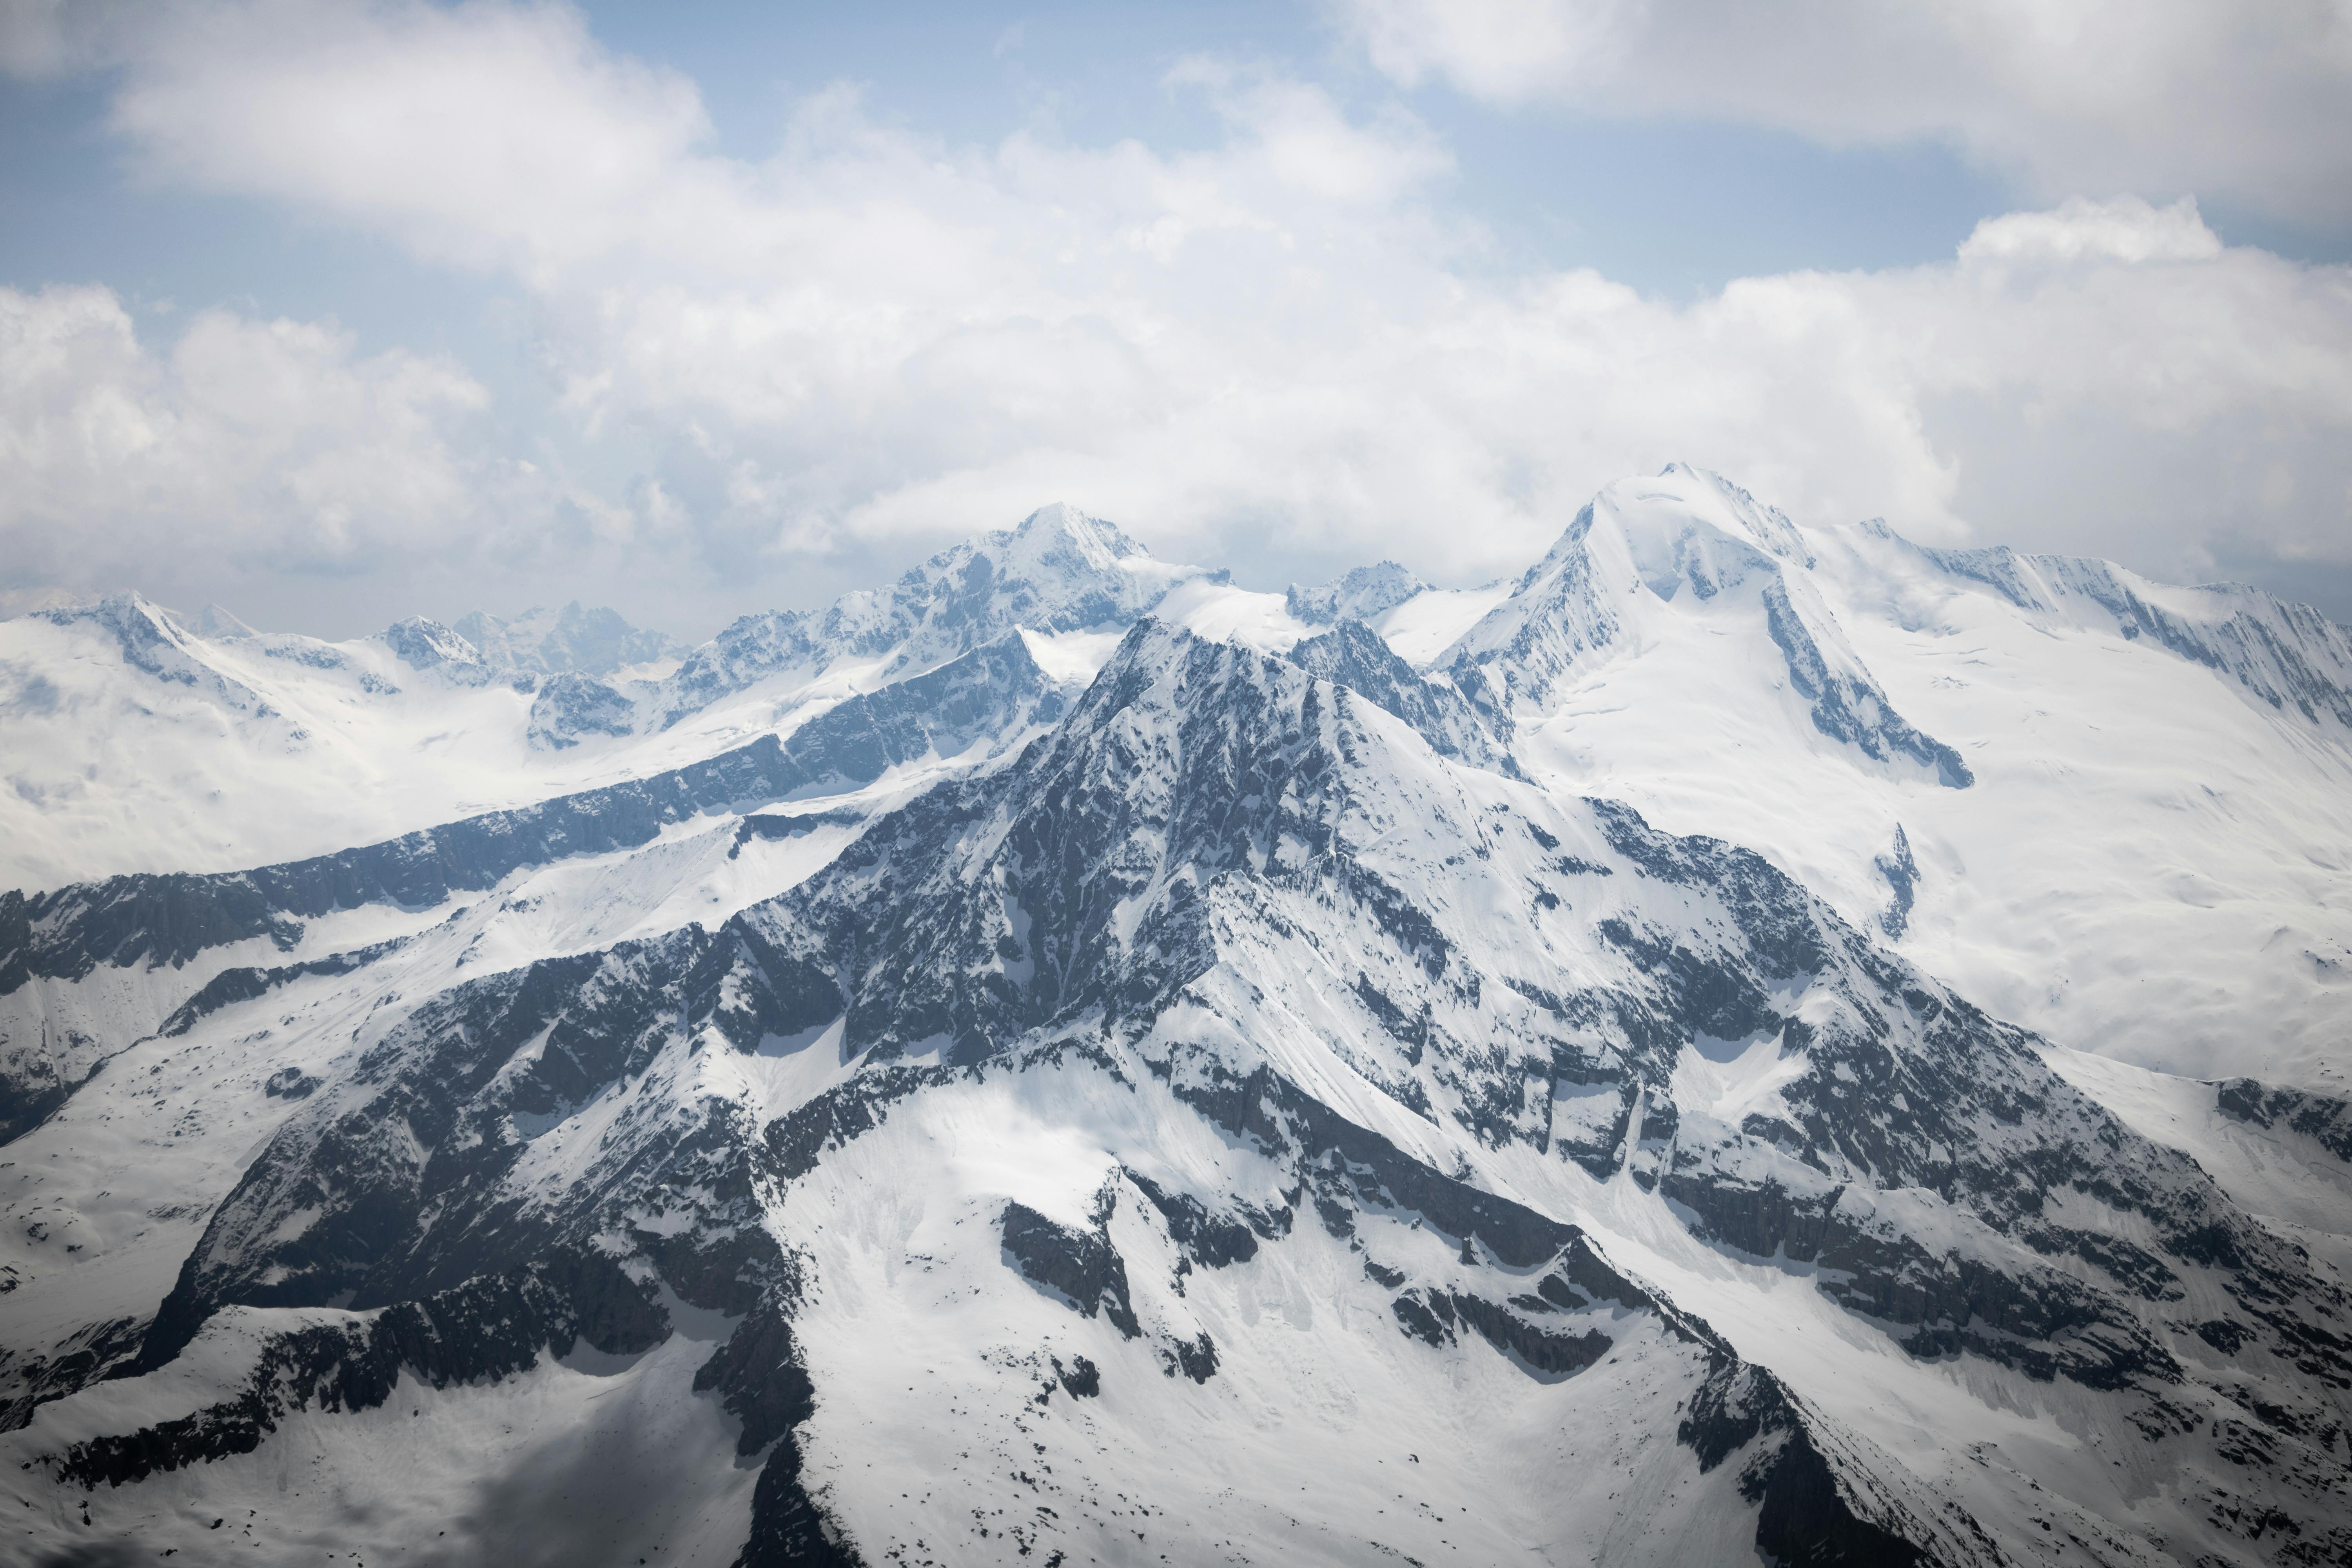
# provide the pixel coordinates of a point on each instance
(423, 643)
(1059, 535)
(1060, 571)
(1363, 594)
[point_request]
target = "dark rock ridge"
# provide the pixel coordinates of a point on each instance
(427, 644)
(168, 918)
(1901, 873)
(2324, 1118)
(763, 1381)
(249, 984)
(1079, 1264)
(969, 707)
(87, 1355)
(570, 707)
(488, 1328)
(1353, 655)
(1849, 706)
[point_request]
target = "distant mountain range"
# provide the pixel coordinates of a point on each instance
(1748, 1042)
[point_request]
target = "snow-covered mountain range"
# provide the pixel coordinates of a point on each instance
(1747, 1043)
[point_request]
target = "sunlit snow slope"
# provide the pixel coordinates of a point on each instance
(2147, 853)
(1068, 1060)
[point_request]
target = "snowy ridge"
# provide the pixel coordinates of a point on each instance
(2287, 655)
(1611, 585)
(152, 639)
(1364, 593)
(1232, 991)
(1060, 571)
(1266, 1104)
(57, 1026)
(570, 640)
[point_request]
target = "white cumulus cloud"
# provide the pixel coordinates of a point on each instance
(2249, 102)
(1283, 345)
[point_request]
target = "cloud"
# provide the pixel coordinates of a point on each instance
(2252, 104)
(1284, 346)
(488, 135)
(266, 443)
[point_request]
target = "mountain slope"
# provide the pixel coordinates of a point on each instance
(2145, 862)
(1230, 1126)
(71, 990)
(139, 740)
(1608, 589)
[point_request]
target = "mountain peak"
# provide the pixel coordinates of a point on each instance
(1683, 494)
(1059, 542)
(1624, 564)
(1363, 594)
(425, 644)
(1097, 536)
(549, 642)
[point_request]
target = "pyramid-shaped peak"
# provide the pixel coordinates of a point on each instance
(1100, 540)
(133, 613)
(1667, 505)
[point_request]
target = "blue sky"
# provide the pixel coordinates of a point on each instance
(339, 310)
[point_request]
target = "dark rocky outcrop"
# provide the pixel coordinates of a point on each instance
(571, 707)
(489, 1328)
(1080, 1264)
(1353, 655)
(2325, 1119)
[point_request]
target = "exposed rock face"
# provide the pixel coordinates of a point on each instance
(2324, 1118)
(1236, 1111)
(567, 708)
(428, 645)
(1902, 876)
(1352, 655)
(986, 699)
(1085, 921)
